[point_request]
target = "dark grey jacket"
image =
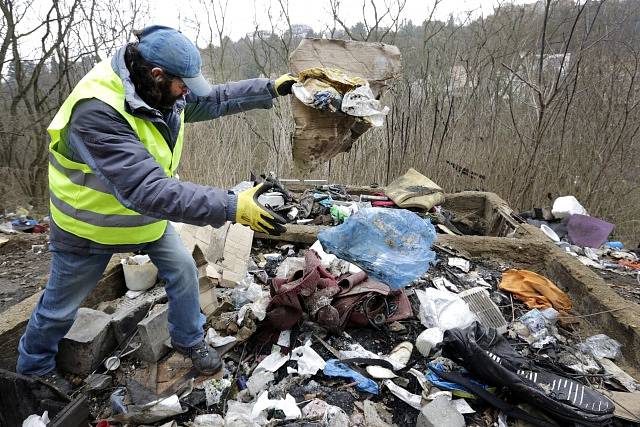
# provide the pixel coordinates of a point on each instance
(100, 137)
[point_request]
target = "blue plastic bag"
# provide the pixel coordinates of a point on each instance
(391, 245)
(335, 368)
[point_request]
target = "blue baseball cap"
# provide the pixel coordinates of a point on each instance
(170, 50)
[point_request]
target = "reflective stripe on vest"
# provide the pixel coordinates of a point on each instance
(80, 202)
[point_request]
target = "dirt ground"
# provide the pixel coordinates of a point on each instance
(23, 272)
(627, 287)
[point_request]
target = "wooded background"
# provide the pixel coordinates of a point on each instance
(531, 102)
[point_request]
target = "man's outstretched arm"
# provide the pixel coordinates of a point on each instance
(100, 137)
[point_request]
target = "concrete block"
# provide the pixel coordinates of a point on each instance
(125, 319)
(128, 312)
(153, 334)
(440, 413)
(87, 343)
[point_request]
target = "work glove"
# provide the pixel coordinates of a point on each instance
(283, 84)
(256, 216)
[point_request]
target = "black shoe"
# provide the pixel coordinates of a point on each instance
(204, 357)
(56, 380)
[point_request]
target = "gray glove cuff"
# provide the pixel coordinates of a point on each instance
(232, 206)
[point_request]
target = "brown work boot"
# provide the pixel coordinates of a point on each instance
(204, 357)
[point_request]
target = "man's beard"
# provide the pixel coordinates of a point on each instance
(159, 95)
(166, 99)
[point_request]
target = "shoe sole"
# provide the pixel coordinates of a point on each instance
(210, 372)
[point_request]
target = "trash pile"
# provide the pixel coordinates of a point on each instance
(22, 221)
(568, 224)
(329, 204)
(375, 324)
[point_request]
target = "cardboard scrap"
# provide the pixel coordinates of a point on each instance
(237, 251)
(627, 405)
(319, 135)
(220, 253)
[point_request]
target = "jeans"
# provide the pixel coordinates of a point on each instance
(73, 277)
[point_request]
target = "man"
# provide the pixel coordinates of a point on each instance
(115, 146)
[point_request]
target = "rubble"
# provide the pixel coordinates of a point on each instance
(87, 343)
(440, 413)
(153, 334)
(128, 312)
(297, 368)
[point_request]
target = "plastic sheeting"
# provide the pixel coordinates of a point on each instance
(601, 346)
(392, 245)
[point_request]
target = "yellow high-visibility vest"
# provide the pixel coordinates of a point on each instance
(80, 203)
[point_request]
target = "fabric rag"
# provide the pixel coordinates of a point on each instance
(314, 283)
(354, 301)
(535, 290)
(335, 368)
(629, 264)
(414, 190)
(362, 301)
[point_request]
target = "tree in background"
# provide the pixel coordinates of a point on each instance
(46, 48)
(532, 101)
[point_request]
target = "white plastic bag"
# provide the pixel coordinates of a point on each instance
(36, 420)
(287, 405)
(567, 205)
(443, 309)
(208, 420)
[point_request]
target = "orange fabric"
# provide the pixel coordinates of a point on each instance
(534, 290)
(629, 264)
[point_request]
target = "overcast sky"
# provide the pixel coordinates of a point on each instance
(242, 15)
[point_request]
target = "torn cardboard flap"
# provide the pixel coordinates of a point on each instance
(320, 135)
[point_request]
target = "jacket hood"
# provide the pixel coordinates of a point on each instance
(133, 100)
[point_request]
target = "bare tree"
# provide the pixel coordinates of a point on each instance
(72, 35)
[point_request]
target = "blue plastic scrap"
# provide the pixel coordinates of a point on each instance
(433, 377)
(335, 368)
(391, 245)
(23, 224)
(117, 401)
